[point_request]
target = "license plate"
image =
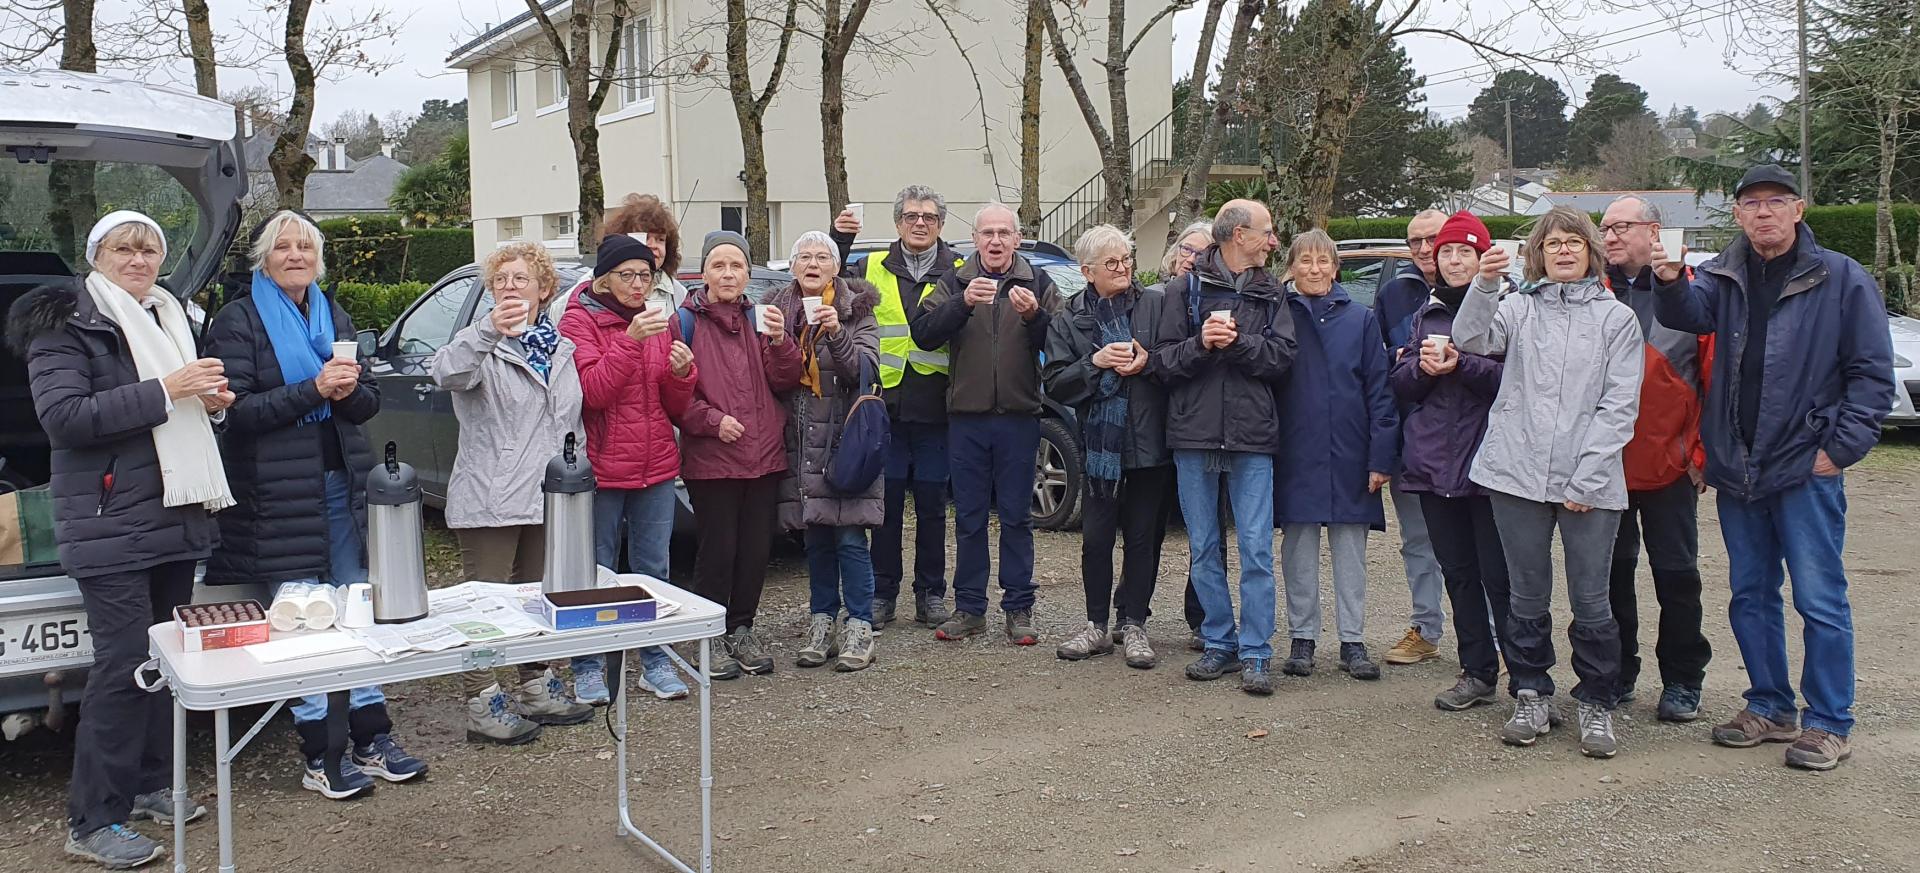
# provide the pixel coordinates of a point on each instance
(57, 636)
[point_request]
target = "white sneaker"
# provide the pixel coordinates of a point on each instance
(1596, 732)
(1530, 719)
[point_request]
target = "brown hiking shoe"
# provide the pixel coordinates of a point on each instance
(1749, 729)
(1412, 649)
(1818, 750)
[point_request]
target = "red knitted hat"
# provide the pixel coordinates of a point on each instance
(1466, 229)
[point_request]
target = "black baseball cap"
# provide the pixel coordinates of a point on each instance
(1768, 174)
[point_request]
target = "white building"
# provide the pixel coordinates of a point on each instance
(674, 134)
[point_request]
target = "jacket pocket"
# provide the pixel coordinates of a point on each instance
(107, 483)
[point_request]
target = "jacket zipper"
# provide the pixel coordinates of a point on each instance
(106, 486)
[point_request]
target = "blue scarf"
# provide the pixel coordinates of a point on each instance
(302, 341)
(1105, 431)
(539, 341)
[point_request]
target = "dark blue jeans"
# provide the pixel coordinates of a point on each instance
(992, 466)
(839, 571)
(917, 463)
(1803, 528)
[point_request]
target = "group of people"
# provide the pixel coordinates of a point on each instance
(1598, 395)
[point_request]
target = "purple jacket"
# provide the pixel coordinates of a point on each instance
(1446, 415)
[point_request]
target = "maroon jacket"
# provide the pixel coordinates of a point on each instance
(628, 391)
(731, 384)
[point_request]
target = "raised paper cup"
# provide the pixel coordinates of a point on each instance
(811, 306)
(346, 350)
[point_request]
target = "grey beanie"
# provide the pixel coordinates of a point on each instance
(720, 238)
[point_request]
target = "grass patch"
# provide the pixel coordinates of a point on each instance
(1898, 451)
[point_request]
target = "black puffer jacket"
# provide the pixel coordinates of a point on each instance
(278, 528)
(1223, 399)
(99, 417)
(1073, 337)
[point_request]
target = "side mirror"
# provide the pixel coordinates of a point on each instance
(369, 342)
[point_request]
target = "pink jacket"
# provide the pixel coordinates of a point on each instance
(743, 374)
(629, 392)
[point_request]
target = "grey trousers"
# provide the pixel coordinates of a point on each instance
(1526, 535)
(1300, 562)
(1424, 580)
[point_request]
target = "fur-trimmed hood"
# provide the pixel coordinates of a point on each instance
(43, 310)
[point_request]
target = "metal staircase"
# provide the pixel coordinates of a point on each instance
(1158, 163)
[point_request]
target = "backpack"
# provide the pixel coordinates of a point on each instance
(859, 453)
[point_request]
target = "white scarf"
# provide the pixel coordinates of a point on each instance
(190, 465)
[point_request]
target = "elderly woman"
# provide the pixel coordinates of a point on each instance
(516, 395)
(1552, 459)
(298, 463)
(1339, 443)
(1447, 394)
(839, 361)
(643, 215)
(632, 377)
(126, 404)
(1096, 361)
(734, 452)
(1176, 264)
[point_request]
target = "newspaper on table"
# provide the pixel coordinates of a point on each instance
(477, 613)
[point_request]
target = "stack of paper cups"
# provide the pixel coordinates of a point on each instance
(319, 607)
(286, 613)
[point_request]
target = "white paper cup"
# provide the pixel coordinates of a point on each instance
(642, 237)
(318, 608)
(811, 306)
(1220, 315)
(760, 316)
(346, 350)
(285, 615)
(859, 211)
(1671, 239)
(1440, 341)
(357, 611)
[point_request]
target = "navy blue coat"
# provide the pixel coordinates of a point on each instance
(1829, 366)
(1337, 418)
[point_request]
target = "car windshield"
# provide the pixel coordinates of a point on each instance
(46, 210)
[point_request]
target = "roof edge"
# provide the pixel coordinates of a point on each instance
(466, 52)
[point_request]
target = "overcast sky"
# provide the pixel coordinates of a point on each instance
(1684, 67)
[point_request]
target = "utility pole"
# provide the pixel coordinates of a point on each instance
(1806, 145)
(1509, 105)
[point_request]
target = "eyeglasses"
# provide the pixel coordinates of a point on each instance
(1773, 204)
(634, 277)
(1190, 251)
(1418, 243)
(813, 258)
(1564, 246)
(1620, 228)
(919, 218)
(517, 283)
(1118, 265)
(1269, 233)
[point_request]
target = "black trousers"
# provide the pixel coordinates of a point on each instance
(1667, 520)
(1139, 512)
(735, 536)
(929, 540)
(124, 744)
(1467, 546)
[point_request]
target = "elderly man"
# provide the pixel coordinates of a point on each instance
(1394, 307)
(1777, 447)
(915, 383)
(1224, 341)
(1664, 480)
(992, 311)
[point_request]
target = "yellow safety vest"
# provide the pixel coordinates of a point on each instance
(897, 350)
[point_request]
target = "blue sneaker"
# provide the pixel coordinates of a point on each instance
(1254, 678)
(660, 676)
(353, 783)
(115, 847)
(1213, 664)
(1679, 703)
(590, 681)
(384, 758)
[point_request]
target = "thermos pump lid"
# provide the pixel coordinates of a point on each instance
(392, 483)
(569, 472)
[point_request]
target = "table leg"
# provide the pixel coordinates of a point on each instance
(223, 770)
(619, 705)
(179, 787)
(706, 760)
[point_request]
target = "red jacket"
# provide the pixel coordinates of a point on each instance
(744, 373)
(629, 392)
(1666, 437)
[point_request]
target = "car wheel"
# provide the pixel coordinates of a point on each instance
(1056, 478)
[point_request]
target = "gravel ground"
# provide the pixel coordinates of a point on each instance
(981, 756)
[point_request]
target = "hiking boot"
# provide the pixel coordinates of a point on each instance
(1213, 664)
(1530, 719)
(856, 646)
(1196, 642)
(1354, 661)
(1092, 640)
(490, 720)
(352, 783)
(1020, 630)
(158, 805)
(1253, 677)
(721, 664)
(1139, 652)
(115, 847)
(1818, 749)
(960, 626)
(543, 700)
(1627, 694)
(884, 613)
(819, 647)
(1679, 703)
(1464, 695)
(1596, 731)
(750, 651)
(1412, 649)
(1749, 729)
(384, 758)
(590, 681)
(930, 610)
(1299, 659)
(659, 675)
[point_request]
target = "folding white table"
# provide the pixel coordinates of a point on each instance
(223, 679)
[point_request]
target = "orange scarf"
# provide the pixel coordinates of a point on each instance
(810, 334)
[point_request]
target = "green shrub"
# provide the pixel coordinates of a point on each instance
(360, 225)
(375, 306)
(435, 252)
(1850, 229)
(412, 255)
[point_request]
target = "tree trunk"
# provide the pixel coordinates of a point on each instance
(1193, 194)
(586, 92)
(289, 160)
(1348, 34)
(750, 111)
(200, 43)
(836, 42)
(1883, 241)
(1185, 207)
(1030, 117)
(1118, 166)
(70, 188)
(1115, 163)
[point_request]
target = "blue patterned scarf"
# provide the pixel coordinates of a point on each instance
(303, 341)
(1105, 431)
(540, 340)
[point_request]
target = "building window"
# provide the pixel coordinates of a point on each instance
(510, 228)
(513, 92)
(506, 95)
(636, 61)
(560, 225)
(733, 218)
(550, 85)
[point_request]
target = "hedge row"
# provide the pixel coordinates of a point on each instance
(374, 307)
(412, 255)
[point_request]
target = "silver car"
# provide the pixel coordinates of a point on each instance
(1906, 371)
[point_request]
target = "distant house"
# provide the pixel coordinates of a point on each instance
(1703, 218)
(338, 187)
(1681, 138)
(1493, 197)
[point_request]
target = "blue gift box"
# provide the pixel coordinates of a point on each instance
(573, 610)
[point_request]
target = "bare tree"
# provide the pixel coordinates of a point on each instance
(1212, 122)
(837, 36)
(70, 183)
(206, 77)
(333, 49)
(1870, 66)
(942, 14)
(1033, 51)
(750, 109)
(587, 88)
